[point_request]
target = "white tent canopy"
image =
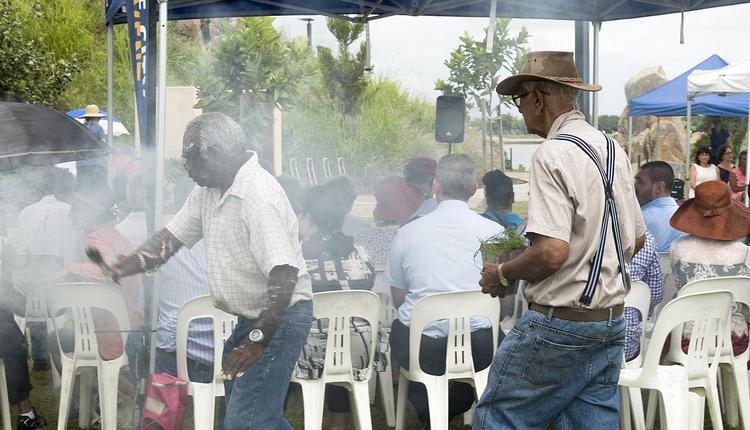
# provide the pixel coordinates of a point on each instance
(732, 79)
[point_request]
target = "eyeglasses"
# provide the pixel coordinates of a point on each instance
(518, 97)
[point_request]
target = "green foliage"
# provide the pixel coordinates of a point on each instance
(500, 247)
(252, 70)
(736, 126)
(473, 71)
(344, 75)
(30, 71)
(608, 123)
(513, 125)
(389, 127)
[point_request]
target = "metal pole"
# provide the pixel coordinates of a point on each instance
(161, 117)
(630, 138)
(687, 141)
(658, 132)
(745, 196)
(582, 50)
(500, 137)
(483, 109)
(595, 96)
(368, 58)
(110, 103)
(490, 41)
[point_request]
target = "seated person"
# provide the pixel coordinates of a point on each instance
(436, 254)
(653, 189)
(13, 352)
(334, 263)
(498, 191)
(345, 186)
(644, 267)
(711, 248)
(419, 173)
(396, 202)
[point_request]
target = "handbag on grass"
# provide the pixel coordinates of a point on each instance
(165, 402)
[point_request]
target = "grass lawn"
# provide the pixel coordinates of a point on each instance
(45, 398)
(521, 208)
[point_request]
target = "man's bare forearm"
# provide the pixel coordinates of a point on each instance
(149, 256)
(281, 283)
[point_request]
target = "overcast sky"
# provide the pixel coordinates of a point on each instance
(412, 49)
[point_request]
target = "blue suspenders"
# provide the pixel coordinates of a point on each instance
(610, 212)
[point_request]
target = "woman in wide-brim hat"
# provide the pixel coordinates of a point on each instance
(714, 224)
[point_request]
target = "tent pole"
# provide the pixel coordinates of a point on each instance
(110, 107)
(595, 97)
(687, 139)
(161, 115)
(630, 139)
(745, 196)
(658, 144)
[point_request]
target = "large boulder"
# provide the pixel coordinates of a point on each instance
(671, 132)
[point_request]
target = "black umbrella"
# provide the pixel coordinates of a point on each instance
(32, 135)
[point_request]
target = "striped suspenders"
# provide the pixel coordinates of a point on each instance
(610, 212)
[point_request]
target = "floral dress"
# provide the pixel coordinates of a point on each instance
(335, 263)
(695, 258)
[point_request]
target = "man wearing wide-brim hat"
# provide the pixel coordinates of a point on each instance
(560, 363)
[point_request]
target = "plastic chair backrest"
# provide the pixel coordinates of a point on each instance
(710, 315)
(339, 307)
(30, 274)
(458, 307)
(639, 297)
(224, 323)
(76, 300)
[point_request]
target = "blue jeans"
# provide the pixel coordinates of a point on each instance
(255, 401)
(554, 370)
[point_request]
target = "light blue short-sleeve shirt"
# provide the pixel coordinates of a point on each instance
(437, 253)
(657, 214)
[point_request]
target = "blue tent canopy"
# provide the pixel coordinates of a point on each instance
(583, 10)
(670, 99)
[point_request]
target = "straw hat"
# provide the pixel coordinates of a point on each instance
(712, 214)
(92, 111)
(551, 66)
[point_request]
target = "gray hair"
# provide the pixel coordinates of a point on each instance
(216, 130)
(457, 176)
(565, 92)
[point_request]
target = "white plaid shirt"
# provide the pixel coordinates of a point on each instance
(247, 232)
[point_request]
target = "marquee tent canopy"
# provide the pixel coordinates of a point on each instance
(731, 79)
(581, 10)
(670, 99)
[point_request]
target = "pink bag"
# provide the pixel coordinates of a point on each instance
(164, 406)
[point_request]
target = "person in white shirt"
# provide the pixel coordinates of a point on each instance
(437, 253)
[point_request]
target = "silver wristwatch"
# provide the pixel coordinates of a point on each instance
(256, 336)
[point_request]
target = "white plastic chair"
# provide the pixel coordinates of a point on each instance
(339, 307)
(519, 307)
(76, 300)
(4, 402)
(458, 308)
(735, 389)
(639, 297)
(670, 289)
(710, 314)
(384, 379)
(204, 394)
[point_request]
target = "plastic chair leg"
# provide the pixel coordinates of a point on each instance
(742, 393)
(469, 415)
(385, 380)
(403, 387)
(636, 406)
(712, 397)
(109, 373)
(66, 392)
(4, 401)
(372, 385)
(361, 405)
(653, 403)
(313, 396)
(86, 387)
(696, 406)
(437, 398)
(674, 398)
(624, 409)
(204, 403)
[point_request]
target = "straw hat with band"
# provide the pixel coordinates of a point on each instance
(553, 66)
(92, 111)
(712, 214)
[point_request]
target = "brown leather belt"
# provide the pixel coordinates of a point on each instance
(579, 315)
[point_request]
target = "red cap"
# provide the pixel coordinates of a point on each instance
(396, 201)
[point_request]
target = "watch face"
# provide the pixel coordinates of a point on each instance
(256, 335)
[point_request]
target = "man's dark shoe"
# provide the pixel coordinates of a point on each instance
(41, 365)
(26, 423)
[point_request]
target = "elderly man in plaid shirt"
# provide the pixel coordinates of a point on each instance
(255, 266)
(643, 267)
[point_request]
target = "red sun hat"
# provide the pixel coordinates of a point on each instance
(396, 200)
